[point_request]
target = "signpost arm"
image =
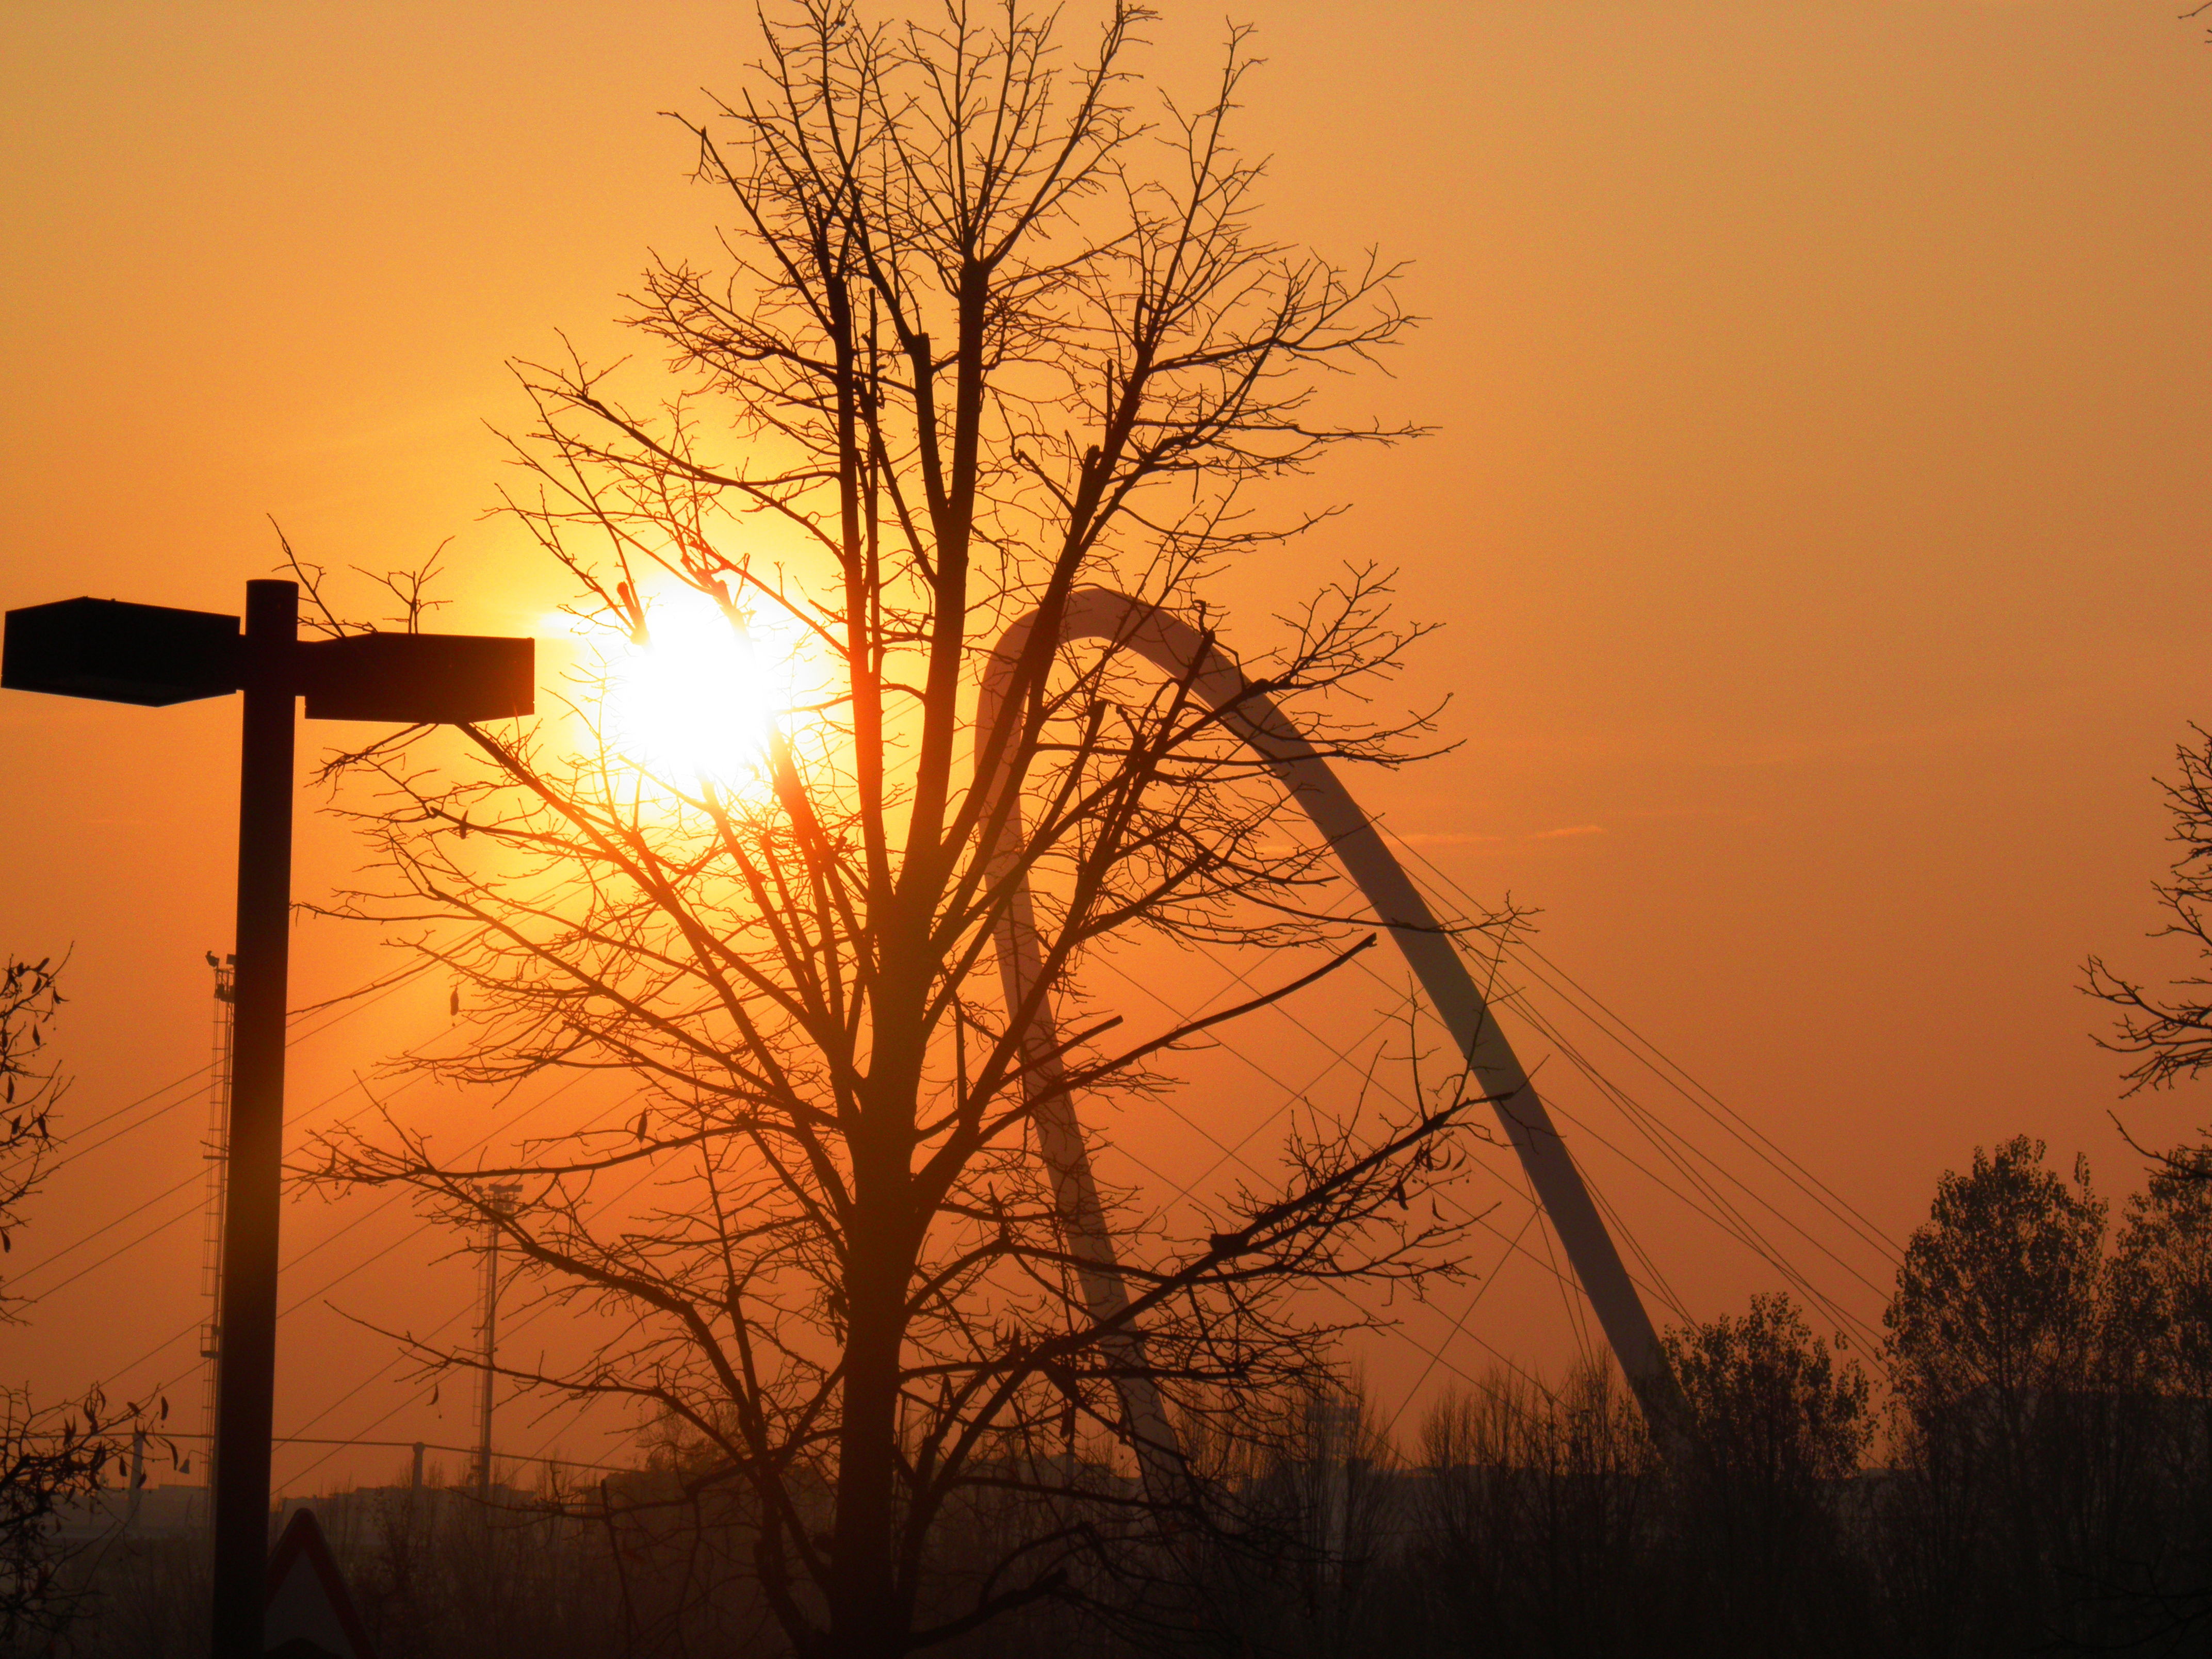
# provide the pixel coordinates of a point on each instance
(257, 1120)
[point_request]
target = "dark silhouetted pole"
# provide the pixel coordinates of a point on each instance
(256, 1120)
(491, 1355)
(153, 656)
(502, 1198)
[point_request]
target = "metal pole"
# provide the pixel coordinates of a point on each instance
(138, 1475)
(256, 1121)
(491, 1356)
(216, 1150)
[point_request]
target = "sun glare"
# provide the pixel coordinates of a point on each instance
(695, 702)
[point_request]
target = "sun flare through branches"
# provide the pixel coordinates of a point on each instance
(694, 701)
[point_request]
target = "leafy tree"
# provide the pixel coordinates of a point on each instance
(984, 334)
(2161, 1312)
(2025, 1517)
(1776, 1423)
(1774, 1412)
(1999, 1293)
(2162, 1274)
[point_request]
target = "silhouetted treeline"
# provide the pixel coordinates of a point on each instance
(2026, 1467)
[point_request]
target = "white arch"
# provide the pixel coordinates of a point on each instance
(1180, 650)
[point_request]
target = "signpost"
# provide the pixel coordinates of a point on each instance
(154, 656)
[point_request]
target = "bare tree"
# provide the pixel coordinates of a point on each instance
(2169, 1034)
(1535, 1526)
(982, 333)
(48, 1455)
(30, 1088)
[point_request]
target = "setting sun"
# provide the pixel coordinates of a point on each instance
(695, 701)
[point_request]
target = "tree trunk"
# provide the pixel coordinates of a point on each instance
(865, 1619)
(868, 1616)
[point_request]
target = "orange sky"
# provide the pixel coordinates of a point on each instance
(1818, 512)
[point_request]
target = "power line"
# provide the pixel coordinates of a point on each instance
(1676, 1149)
(44, 1262)
(1655, 1129)
(320, 1106)
(1849, 1220)
(1677, 1076)
(1481, 1290)
(329, 1285)
(1340, 1056)
(1291, 1096)
(77, 1151)
(522, 1324)
(1668, 1143)
(163, 1227)
(1713, 1206)
(410, 1445)
(154, 1231)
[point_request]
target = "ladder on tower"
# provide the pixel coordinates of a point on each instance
(214, 1150)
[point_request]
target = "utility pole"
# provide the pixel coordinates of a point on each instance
(213, 1149)
(137, 1488)
(154, 656)
(253, 1198)
(500, 1199)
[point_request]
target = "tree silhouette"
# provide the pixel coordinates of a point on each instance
(1776, 1423)
(30, 1089)
(2169, 1035)
(982, 334)
(1998, 1296)
(2162, 1275)
(48, 1455)
(2024, 1470)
